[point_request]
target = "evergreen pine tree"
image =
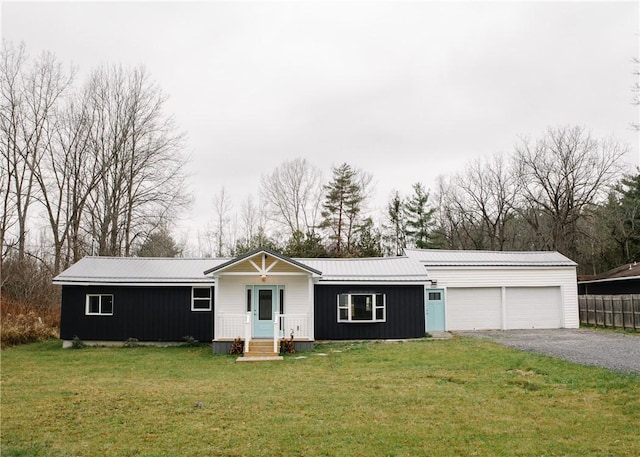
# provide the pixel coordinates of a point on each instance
(420, 219)
(368, 240)
(159, 244)
(341, 208)
(395, 232)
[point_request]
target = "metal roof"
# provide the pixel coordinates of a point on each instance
(440, 257)
(387, 269)
(149, 270)
(621, 273)
(138, 270)
(411, 268)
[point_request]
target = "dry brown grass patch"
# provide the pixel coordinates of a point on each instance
(22, 323)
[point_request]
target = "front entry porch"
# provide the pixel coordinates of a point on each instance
(239, 326)
(263, 295)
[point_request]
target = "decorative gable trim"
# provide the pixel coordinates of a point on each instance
(261, 267)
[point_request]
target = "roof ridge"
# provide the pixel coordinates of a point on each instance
(350, 258)
(462, 251)
(152, 258)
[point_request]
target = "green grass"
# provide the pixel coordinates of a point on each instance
(453, 397)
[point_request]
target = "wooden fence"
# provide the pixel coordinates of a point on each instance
(616, 311)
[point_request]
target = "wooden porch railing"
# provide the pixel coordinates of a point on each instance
(237, 325)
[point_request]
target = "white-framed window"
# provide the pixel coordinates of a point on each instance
(201, 299)
(99, 305)
(362, 307)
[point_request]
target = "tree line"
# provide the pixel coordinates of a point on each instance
(564, 191)
(92, 166)
(97, 167)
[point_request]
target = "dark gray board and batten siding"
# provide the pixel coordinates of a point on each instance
(404, 319)
(616, 287)
(146, 313)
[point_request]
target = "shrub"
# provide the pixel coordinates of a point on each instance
(28, 281)
(190, 341)
(77, 343)
(131, 343)
(237, 347)
(287, 346)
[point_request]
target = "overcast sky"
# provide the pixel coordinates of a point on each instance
(404, 90)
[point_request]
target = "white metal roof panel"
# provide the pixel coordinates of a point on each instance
(141, 270)
(441, 257)
(386, 269)
(138, 270)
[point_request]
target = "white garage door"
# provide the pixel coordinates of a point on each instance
(473, 308)
(533, 307)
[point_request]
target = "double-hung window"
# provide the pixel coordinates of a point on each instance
(201, 299)
(99, 305)
(362, 307)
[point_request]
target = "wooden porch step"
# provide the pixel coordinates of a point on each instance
(260, 354)
(260, 348)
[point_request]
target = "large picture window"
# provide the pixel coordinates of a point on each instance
(201, 299)
(99, 305)
(362, 307)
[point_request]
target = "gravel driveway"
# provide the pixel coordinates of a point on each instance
(615, 351)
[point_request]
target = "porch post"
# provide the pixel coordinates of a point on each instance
(311, 310)
(276, 332)
(247, 332)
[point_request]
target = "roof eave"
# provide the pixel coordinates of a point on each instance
(621, 278)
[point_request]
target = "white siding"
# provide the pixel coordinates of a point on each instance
(563, 278)
(533, 307)
(231, 293)
(473, 308)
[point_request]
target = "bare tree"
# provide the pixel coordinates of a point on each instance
(249, 217)
(635, 90)
(67, 175)
(31, 94)
(294, 191)
(455, 224)
(139, 151)
(11, 114)
(489, 189)
(560, 174)
(221, 208)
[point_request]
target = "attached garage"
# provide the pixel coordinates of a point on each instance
(486, 290)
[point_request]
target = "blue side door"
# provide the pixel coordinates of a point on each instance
(434, 310)
(263, 311)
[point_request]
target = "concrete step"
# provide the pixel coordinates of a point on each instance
(259, 358)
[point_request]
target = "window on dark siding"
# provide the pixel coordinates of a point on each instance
(361, 307)
(99, 305)
(201, 299)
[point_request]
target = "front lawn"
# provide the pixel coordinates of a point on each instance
(454, 397)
